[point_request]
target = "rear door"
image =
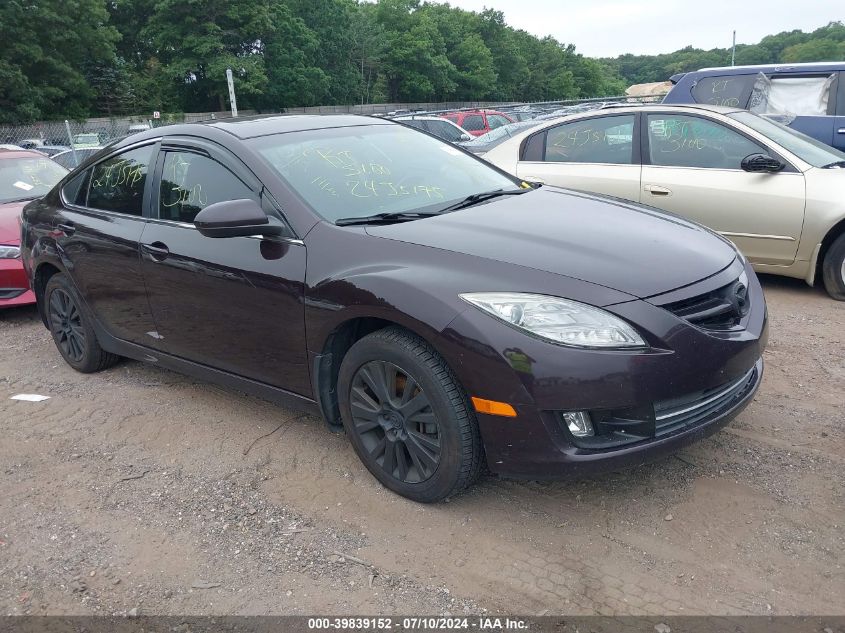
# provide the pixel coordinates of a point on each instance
(596, 154)
(691, 166)
(98, 229)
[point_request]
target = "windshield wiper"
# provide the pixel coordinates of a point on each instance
(402, 216)
(837, 163)
(24, 199)
(477, 198)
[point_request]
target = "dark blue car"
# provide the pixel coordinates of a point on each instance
(808, 97)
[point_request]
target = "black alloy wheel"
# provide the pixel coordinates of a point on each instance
(408, 417)
(66, 324)
(394, 419)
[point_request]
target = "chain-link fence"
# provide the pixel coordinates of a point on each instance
(69, 142)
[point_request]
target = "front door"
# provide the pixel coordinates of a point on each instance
(595, 154)
(232, 303)
(691, 166)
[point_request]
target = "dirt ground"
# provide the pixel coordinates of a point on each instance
(138, 490)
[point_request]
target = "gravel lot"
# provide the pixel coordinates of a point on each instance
(138, 490)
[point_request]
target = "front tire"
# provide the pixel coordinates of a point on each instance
(407, 417)
(833, 269)
(70, 324)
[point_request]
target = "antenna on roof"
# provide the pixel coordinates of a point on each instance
(733, 50)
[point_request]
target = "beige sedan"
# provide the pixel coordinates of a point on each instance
(778, 194)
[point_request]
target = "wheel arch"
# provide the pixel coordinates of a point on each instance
(43, 273)
(326, 363)
(830, 237)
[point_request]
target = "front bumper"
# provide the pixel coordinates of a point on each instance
(692, 382)
(14, 286)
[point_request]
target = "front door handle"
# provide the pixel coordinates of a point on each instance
(841, 130)
(67, 228)
(158, 251)
(655, 190)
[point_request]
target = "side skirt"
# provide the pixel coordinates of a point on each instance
(203, 372)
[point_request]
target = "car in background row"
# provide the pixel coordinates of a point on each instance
(478, 122)
(437, 309)
(808, 97)
(70, 159)
(24, 175)
(440, 127)
(480, 145)
(89, 139)
(777, 193)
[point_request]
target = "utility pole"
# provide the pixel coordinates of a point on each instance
(733, 51)
(231, 83)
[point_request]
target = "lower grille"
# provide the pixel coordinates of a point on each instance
(671, 415)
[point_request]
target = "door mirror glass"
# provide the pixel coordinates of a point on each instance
(756, 163)
(466, 137)
(235, 218)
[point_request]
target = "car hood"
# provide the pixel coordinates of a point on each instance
(630, 248)
(10, 228)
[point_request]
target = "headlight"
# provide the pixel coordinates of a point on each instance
(558, 320)
(9, 252)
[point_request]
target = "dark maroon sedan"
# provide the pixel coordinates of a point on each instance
(439, 310)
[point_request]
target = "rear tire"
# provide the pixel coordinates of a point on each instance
(833, 269)
(71, 325)
(407, 416)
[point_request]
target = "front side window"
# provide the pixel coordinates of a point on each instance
(117, 184)
(190, 182)
(364, 170)
(607, 140)
(28, 177)
(473, 123)
(685, 141)
(725, 90)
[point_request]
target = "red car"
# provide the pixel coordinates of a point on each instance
(478, 122)
(24, 175)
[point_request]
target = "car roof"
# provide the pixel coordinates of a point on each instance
(774, 67)
(20, 153)
(262, 125)
(647, 107)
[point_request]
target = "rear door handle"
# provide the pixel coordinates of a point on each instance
(158, 251)
(655, 190)
(841, 130)
(67, 228)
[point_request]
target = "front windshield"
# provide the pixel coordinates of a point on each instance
(354, 172)
(86, 138)
(804, 147)
(26, 178)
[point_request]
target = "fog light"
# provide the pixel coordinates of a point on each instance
(579, 423)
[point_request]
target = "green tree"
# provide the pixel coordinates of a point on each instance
(821, 50)
(46, 46)
(197, 40)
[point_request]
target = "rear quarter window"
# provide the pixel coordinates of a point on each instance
(724, 90)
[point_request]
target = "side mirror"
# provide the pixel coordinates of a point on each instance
(466, 137)
(235, 218)
(761, 163)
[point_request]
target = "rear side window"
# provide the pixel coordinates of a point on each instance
(190, 182)
(117, 184)
(601, 140)
(730, 91)
(793, 96)
(474, 123)
(76, 191)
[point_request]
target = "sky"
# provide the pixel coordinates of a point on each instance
(607, 28)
